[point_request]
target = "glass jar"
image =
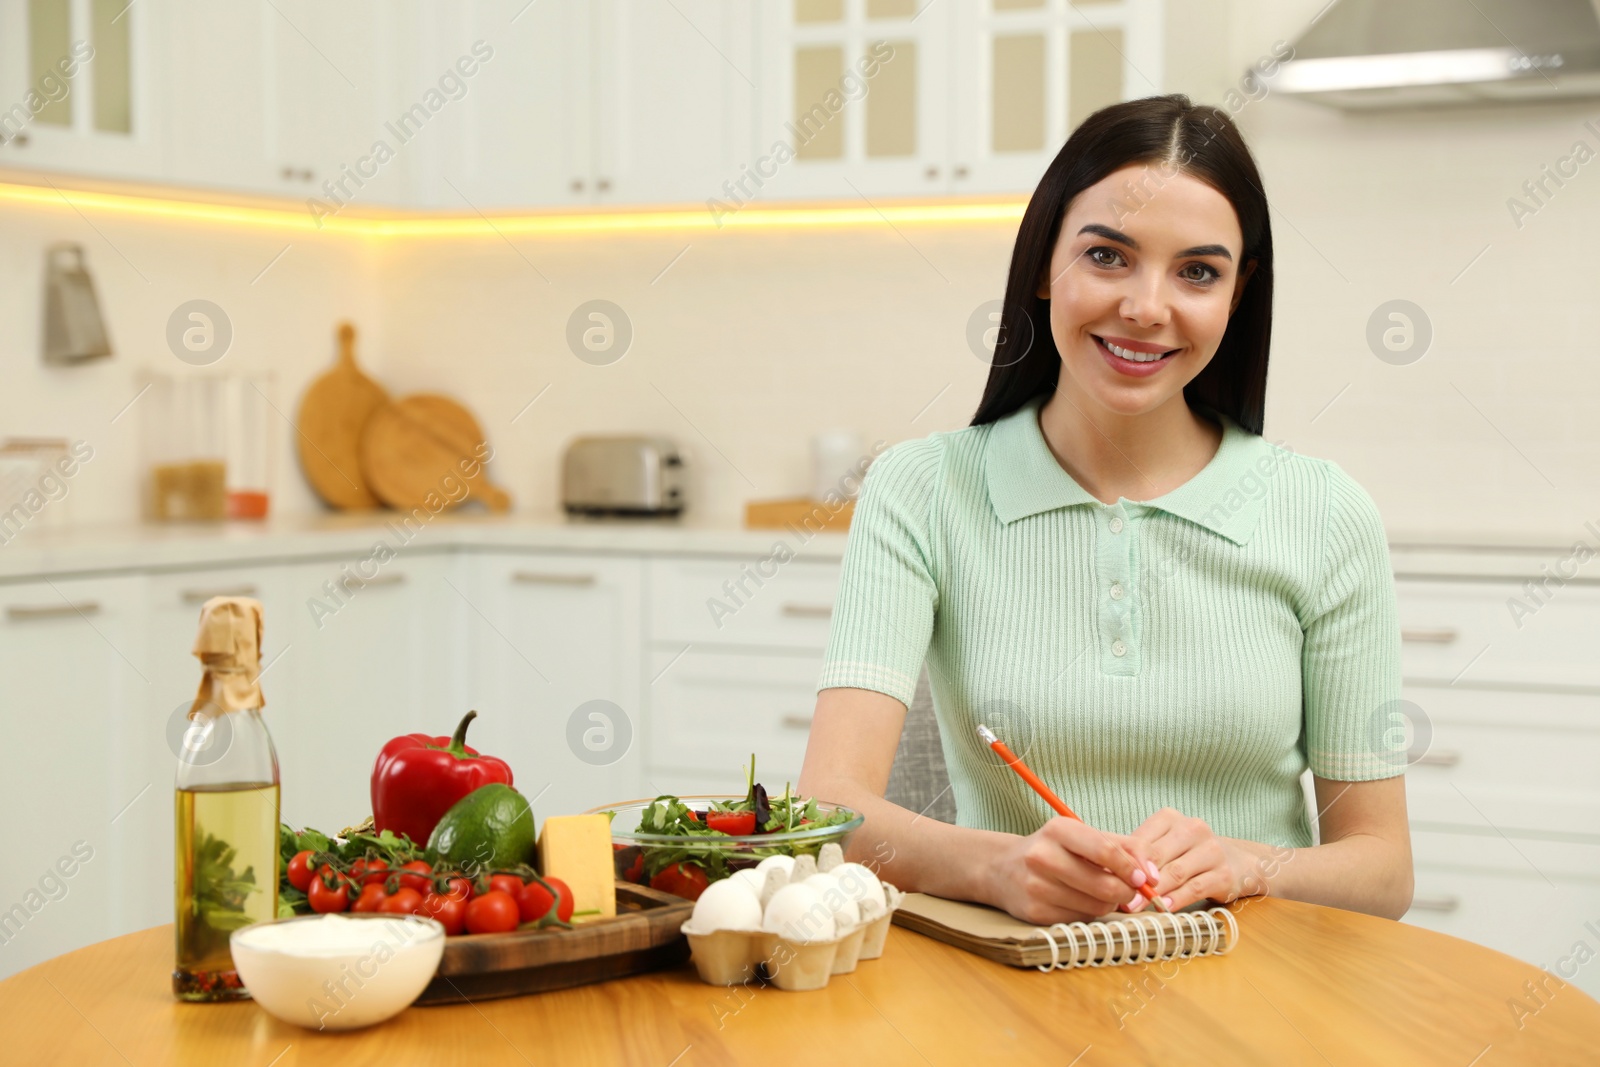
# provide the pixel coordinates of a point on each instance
(207, 446)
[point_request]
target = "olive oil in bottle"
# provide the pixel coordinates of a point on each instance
(226, 806)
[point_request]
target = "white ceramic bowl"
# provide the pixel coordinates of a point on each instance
(340, 981)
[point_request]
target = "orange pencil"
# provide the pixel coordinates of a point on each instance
(1050, 797)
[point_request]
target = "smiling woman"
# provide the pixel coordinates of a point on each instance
(1168, 618)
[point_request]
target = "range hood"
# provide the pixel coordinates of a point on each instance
(1364, 54)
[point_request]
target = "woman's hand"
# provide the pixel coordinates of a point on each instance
(1194, 863)
(1066, 871)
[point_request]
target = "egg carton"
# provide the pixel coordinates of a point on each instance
(733, 957)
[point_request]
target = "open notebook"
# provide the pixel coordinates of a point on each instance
(1117, 938)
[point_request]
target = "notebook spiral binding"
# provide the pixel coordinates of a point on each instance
(1205, 929)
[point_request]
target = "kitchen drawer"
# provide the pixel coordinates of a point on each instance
(1488, 891)
(710, 710)
(734, 600)
(1464, 630)
(1519, 762)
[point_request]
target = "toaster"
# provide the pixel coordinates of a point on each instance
(619, 475)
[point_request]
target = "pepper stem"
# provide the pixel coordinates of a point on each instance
(458, 740)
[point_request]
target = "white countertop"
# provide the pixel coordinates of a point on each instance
(186, 546)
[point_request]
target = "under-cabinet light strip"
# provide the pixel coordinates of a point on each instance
(406, 224)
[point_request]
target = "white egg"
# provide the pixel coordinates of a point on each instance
(786, 862)
(845, 911)
(726, 905)
(750, 876)
(860, 884)
(797, 911)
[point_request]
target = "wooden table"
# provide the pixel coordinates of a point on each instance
(1306, 985)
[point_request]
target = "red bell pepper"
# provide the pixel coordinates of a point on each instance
(418, 778)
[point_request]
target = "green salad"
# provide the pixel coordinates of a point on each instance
(721, 837)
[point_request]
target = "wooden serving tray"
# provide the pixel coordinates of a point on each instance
(643, 936)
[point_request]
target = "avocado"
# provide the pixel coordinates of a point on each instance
(491, 827)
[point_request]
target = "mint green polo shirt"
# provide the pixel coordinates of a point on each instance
(1196, 651)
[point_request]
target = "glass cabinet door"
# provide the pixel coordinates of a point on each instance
(76, 88)
(857, 92)
(1031, 70)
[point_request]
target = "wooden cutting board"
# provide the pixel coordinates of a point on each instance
(643, 936)
(333, 413)
(414, 447)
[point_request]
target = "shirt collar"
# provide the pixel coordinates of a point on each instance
(1225, 497)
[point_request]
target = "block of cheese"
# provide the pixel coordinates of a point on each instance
(577, 850)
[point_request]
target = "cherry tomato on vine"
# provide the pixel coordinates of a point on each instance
(372, 896)
(370, 872)
(300, 870)
(509, 884)
(534, 902)
(492, 913)
(450, 912)
(422, 880)
(325, 898)
(403, 901)
(564, 909)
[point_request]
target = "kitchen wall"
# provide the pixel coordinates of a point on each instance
(748, 341)
(282, 307)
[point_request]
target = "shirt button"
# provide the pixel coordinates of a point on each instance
(1118, 648)
(1116, 590)
(1116, 524)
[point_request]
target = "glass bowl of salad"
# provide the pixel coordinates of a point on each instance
(681, 844)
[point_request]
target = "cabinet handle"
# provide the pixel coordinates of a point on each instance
(28, 613)
(542, 578)
(796, 722)
(1446, 758)
(577, 185)
(1442, 636)
(807, 611)
(20, 140)
(603, 184)
(200, 596)
(932, 173)
(960, 172)
(1443, 902)
(382, 579)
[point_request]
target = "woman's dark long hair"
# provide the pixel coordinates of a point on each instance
(1201, 142)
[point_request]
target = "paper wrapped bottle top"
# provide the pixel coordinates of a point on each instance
(229, 647)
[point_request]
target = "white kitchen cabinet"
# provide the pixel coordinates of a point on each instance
(369, 655)
(335, 90)
(1505, 760)
(675, 97)
(709, 710)
(596, 101)
(860, 92)
(103, 119)
(215, 96)
(556, 659)
(958, 98)
(523, 132)
(747, 602)
(71, 691)
(1030, 71)
(1477, 632)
